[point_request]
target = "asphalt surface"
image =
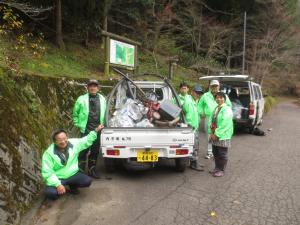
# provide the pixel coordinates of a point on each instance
(261, 187)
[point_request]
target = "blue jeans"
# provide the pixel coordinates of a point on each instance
(78, 180)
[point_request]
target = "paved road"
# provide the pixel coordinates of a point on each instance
(261, 186)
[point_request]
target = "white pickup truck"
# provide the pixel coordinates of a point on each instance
(143, 147)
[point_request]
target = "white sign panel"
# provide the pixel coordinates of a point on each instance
(121, 53)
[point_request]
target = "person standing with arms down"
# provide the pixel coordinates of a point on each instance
(206, 106)
(220, 133)
(89, 111)
(197, 92)
(60, 163)
(184, 93)
(190, 111)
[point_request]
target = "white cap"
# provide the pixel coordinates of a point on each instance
(214, 82)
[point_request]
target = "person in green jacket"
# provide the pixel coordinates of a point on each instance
(188, 106)
(60, 163)
(190, 111)
(220, 131)
(183, 93)
(89, 111)
(197, 92)
(206, 106)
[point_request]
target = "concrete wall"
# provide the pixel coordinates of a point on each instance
(30, 108)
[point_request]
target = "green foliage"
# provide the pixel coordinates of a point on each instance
(75, 61)
(206, 35)
(270, 102)
(12, 28)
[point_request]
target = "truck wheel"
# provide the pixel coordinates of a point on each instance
(109, 165)
(181, 164)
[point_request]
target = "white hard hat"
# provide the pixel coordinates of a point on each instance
(214, 82)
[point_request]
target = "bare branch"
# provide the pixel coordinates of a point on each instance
(34, 13)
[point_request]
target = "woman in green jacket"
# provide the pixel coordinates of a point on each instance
(220, 130)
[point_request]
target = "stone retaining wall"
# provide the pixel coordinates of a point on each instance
(31, 107)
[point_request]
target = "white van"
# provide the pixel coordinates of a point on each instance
(246, 97)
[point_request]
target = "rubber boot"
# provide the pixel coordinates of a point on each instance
(196, 166)
(93, 173)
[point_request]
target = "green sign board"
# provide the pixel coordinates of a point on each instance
(122, 53)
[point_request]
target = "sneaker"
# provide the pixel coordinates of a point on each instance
(218, 174)
(213, 171)
(208, 156)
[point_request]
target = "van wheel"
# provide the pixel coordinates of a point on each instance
(181, 164)
(109, 165)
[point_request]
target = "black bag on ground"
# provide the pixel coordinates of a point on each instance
(258, 132)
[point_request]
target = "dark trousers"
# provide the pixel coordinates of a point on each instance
(221, 157)
(78, 180)
(92, 151)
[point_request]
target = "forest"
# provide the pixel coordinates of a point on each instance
(207, 36)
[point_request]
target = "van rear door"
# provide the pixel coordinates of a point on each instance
(260, 104)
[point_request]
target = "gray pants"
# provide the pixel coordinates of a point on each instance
(209, 146)
(196, 146)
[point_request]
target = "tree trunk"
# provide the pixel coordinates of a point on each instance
(105, 29)
(200, 31)
(229, 55)
(59, 39)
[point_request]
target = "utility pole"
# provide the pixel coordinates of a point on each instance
(244, 45)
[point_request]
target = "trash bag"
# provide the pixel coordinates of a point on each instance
(237, 110)
(258, 132)
(130, 113)
(121, 121)
(144, 123)
(152, 96)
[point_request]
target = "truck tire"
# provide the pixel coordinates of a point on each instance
(181, 164)
(109, 165)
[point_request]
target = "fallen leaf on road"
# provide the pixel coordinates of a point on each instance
(213, 213)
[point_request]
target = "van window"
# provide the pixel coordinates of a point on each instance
(255, 94)
(258, 95)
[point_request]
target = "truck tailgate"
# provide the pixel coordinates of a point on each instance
(142, 137)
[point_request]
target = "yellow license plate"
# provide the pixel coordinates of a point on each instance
(147, 156)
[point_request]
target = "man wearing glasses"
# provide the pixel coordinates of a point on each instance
(60, 163)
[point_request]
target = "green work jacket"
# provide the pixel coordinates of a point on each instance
(81, 111)
(52, 168)
(190, 111)
(207, 104)
(224, 123)
(182, 98)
